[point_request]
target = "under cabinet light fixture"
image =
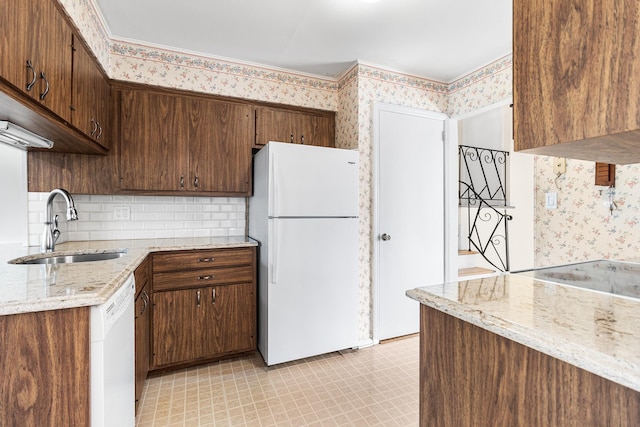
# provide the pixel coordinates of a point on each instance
(18, 137)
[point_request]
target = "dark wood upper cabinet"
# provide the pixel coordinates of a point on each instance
(576, 75)
(176, 142)
(36, 73)
(294, 126)
(90, 96)
(36, 52)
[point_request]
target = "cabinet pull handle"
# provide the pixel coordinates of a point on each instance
(145, 300)
(43, 95)
(213, 296)
(196, 181)
(182, 182)
(95, 127)
(301, 139)
(207, 277)
(99, 133)
(198, 298)
(34, 74)
(209, 259)
(292, 138)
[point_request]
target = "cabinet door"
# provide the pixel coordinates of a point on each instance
(15, 19)
(315, 130)
(153, 149)
(231, 319)
(220, 148)
(142, 331)
(52, 47)
(90, 96)
(36, 32)
(178, 326)
(273, 125)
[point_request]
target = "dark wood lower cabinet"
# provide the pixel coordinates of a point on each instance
(203, 323)
(45, 368)
(472, 377)
(204, 307)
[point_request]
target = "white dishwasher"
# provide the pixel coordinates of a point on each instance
(112, 359)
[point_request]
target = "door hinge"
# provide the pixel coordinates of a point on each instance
(443, 136)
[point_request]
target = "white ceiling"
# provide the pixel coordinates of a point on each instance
(435, 39)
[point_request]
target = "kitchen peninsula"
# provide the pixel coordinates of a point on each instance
(512, 350)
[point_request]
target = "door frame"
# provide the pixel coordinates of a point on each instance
(450, 200)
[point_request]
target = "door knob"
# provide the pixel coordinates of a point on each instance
(386, 237)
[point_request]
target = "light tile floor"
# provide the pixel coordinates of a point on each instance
(374, 386)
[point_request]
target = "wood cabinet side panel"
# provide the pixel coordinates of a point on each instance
(142, 340)
(576, 70)
(45, 368)
(469, 376)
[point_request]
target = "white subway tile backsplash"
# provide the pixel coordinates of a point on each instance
(151, 217)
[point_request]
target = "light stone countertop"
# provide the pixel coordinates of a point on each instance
(29, 288)
(597, 332)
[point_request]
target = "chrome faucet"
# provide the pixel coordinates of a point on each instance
(51, 232)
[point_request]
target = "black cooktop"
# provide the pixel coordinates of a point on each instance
(613, 277)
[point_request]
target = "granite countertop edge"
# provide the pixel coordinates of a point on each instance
(85, 284)
(620, 371)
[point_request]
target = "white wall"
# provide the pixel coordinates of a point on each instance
(13, 195)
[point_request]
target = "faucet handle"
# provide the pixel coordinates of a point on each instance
(56, 232)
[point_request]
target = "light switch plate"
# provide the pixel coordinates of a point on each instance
(559, 166)
(551, 200)
(121, 213)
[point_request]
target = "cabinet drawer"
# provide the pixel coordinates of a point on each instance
(173, 261)
(201, 277)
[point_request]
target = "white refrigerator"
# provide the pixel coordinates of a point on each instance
(304, 213)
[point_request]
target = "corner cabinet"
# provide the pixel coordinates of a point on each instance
(295, 126)
(204, 305)
(576, 72)
(177, 142)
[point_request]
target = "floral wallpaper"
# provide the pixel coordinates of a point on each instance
(86, 17)
(201, 74)
(583, 227)
(483, 87)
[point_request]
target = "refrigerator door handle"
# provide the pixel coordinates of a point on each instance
(274, 246)
(274, 186)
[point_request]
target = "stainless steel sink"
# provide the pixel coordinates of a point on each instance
(69, 258)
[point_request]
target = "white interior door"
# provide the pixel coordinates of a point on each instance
(409, 223)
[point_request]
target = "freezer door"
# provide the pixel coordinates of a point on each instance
(313, 288)
(308, 181)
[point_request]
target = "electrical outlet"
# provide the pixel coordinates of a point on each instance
(559, 166)
(121, 213)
